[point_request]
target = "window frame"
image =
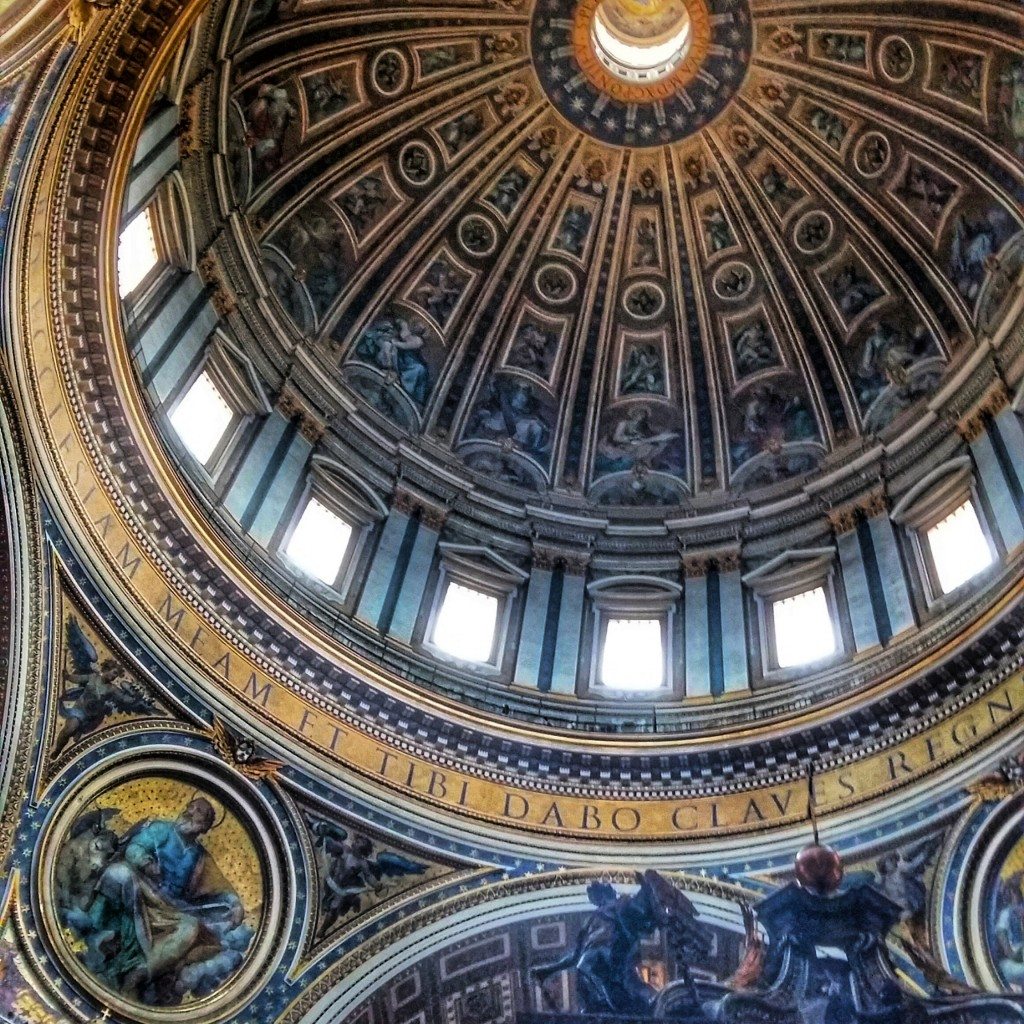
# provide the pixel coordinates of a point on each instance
(150, 283)
(926, 557)
(633, 597)
(938, 494)
(219, 457)
(771, 638)
(480, 569)
(334, 487)
(310, 494)
(790, 574)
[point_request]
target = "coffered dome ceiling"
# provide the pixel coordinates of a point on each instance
(612, 290)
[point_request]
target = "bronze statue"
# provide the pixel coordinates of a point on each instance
(606, 956)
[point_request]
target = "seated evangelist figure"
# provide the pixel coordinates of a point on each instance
(163, 922)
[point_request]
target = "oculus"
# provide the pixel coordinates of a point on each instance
(641, 73)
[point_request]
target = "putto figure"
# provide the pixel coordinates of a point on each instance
(96, 689)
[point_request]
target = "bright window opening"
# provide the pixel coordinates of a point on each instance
(466, 623)
(803, 628)
(633, 657)
(959, 548)
(201, 418)
(319, 542)
(639, 60)
(136, 254)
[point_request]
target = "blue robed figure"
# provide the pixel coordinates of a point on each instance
(162, 922)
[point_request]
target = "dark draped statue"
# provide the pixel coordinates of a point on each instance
(606, 955)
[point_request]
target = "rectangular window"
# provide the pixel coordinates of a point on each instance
(319, 542)
(136, 253)
(959, 547)
(202, 417)
(803, 628)
(633, 657)
(466, 623)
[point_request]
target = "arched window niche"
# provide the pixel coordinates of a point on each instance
(634, 642)
(799, 610)
(326, 537)
(473, 607)
(946, 531)
(211, 413)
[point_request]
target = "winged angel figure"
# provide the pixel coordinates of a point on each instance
(351, 870)
(241, 754)
(95, 690)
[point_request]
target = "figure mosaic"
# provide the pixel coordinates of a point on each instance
(365, 201)
(285, 285)
(814, 232)
(925, 191)
(95, 689)
(573, 230)
(352, 872)
(438, 59)
(753, 347)
(395, 344)
(897, 59)
(1004, 917)
(157, 920)
(959, 75)
(639, 489)
(439, 290)
(734, 281)
(852, 289)
(873, 154)
(477, 236)
(1009, 100)
(828, 126)
(509, 410)
(900, 875)
(632, 438)
(328, 92)
(779, 188)
(976, 240)
(508, 190)
(643, 371)
(460, 131)
(534, 349)
(382, 398)
(416, 163)
(887, 356)
(554, 283)
(769, 419)
(644, 300)
(645, 243)
(314, 241)
(268, 116)
(844, 47)
(504, 466)
(718, 233)
(389, 72)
